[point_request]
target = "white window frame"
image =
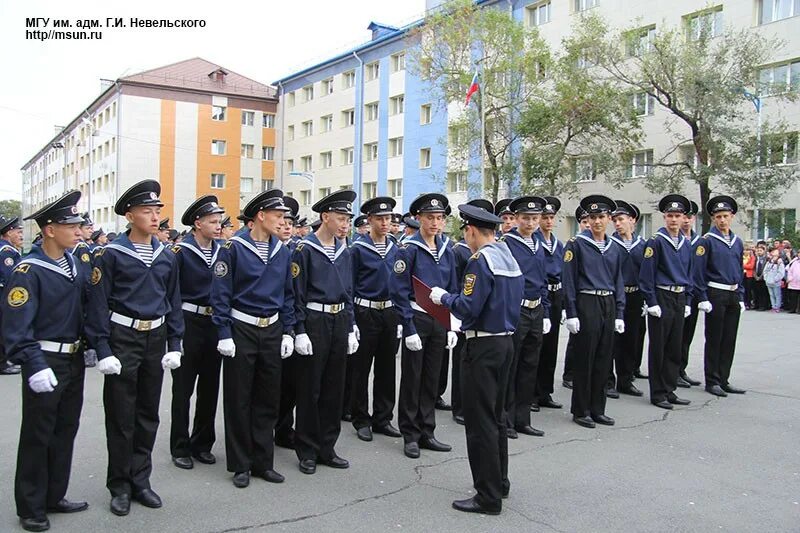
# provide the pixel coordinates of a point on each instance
(242, 188)
(372, 71)
(371, 111)
(308, 93)
(457, 181)
(215, 147)
(398, 104)
(583, 5)
(370, 190)
(395, 187)
(268, 120)
(396, 147)
(640, 164)
(371, 151)
(398, 62)
(326, 123)
(248, 118)
(248, 150)
(649, 103)
(348, 118)
(305, 197)
(217, 181)
(425, 158)
(425, 114)
(326, 160)
(268, 153)
(306, 163)
(708, 22)
(584, 170)
(348, 156)
(219, 113)
(790, 9)
(308, 128)
(539, 14)
(349, 79)
(327, 87)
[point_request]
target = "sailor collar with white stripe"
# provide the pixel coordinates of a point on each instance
(587, 236)
(692, 238)
(191, 243)
(514, 234)
(39, 258)
(441, 247)
(636, 241)
(500, 260)
(714, 232)
(367, 242)
(663, 233)
(549, 246)
(247, 241)
(81, 244)
(462, 243)
(123, 244)
(313, 241)
(5, 245)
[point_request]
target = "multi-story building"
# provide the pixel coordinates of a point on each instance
(362, 120)
(195, 126)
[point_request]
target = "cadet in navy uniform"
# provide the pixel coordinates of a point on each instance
(10, 243)
(226, 229)
(719, 287)
(666, 284)
(690, 324)
(200, 364)
(163, 231)
(582, 217)
(323, 286)
(554, 255)
(134, 314)
(247, 225)
(361, 226)
(488, 310)
(373, 257)
(82, 251)
(502, 209)
(627, 346)
(99, 239)
(411, 227)
(534, 314)
(594, 298)
(42, 325)
(252, 302)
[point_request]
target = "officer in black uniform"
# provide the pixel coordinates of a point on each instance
(134, 314)
(42, 325)
(488, 310)
(10, 245)
(323, 287)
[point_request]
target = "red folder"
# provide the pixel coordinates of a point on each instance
(422, 293)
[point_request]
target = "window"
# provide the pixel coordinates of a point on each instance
(347, 156)
(583, 5)
(327, 86)
(308, 128)
(456, 182)
(779, 150)
(539, 14)
(267, 184)
(324, 191)
(348, 117)
(349, 79)
(584, 61)
(290, 165)
(395, 188)
(583, 169)
(371, 111)
(772, 10)
(268, 153)
(247, 151)
(305, 197)
(370, 190)
(218, 112)
(290, 100)
(643, 103)
(326, 160)
(248, 117)
(290, 133)
(268, 120)
(688, 154)
(396, 147)
(639, 41)
(397, 104)
(245, 185)
(399, 62)
(425, 114)
(639, 164)
(370, 151)
(425, 158)
(305, 163)
(456, 136)
(217, 147)
(781, 78)
(308, 93)
(704, 24)
(373, 70)
(326, 123)
(771, 223)
(217, 181)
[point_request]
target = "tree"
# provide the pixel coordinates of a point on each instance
(10, 208)
(706, 83)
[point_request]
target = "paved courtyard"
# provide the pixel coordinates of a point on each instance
(730, 464)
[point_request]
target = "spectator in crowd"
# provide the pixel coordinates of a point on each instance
(793, 285)
(776, 245)
(749, 266)
(786, 252)
(773, 278)
(760, 294)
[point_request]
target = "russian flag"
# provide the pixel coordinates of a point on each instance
(473, 87)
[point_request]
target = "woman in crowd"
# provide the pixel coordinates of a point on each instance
(749, 265)
(773, 277)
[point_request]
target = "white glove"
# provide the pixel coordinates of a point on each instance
(619, 326)
(287, 346)
(414, 343)
(357, 332)
(109, 365)
(452, 340)
(546, 326)
(687, 310)
(226, 347)
(573, 325)
(171, 360)
(352, 343)
(43, 381)
(399, 331)
(303, 344)
(436, 295)
(654, 311)
(741, 307)
(563, 316)
(704, 306)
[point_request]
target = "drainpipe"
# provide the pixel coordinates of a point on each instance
(282, 97)
(117, 176)
(360, 130)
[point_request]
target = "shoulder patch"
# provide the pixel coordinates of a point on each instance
(99, 252)
(572, 239)
(568, 256)
(469, 283)
(299, 246)
(23, 268)
(474, 256)
(648, 252)
(18, 296)
(295, 270)
(399, 266)
(221, 269)
(8, 261)
(176, 249)
(227, 244)
(701, 250)
(97, 274)
(85, 257)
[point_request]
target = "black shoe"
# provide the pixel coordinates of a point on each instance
(631, 390)
(664, 404)
(683, 383)
(308, 466)
(530, 430)
(674, 400)
(335, 462)
(207, 458)
(35, 524)
(434, 445)
(10, 370)
(511, 433)
(603, 420)
(612, 393)
(535, 407)
(730, 389)
(459, 419)
(583, 421)
(638, 374)
(241, 479)
(443, 405)
(271, 476)
(148, 498)
(66, 506)
(549, 403)
(347, 417)
(567, 384)
(690, 381)
(364, 434)
(716, 390)
(411, 449)
(183, 462)
(285, 441)
(471, 506)
(387, 429)
(121, 505)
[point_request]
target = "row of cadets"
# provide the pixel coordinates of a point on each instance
(582, 217)
(200, 364)
(323, 287)
(534, 315)
(373, 257)
(427, 256)
(134, 316)
(10, 246)
(690, 324)
(252, 302)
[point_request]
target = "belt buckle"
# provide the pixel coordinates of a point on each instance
(335, 308)
(144, 325)
(380, 305)
(207, 311)
(74, 347)
(262, 322)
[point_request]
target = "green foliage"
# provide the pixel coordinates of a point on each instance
(10, 208)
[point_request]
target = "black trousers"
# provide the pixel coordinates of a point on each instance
(131, 401)
(47, 435)
(761, 299)
(251, 383)
(569, 359)
(349, 377)
(664, 356)
(284, 427)
(549, 353)
(628, 346)
(689, 326)
(320, 386)
(722, 327)
(592, 356)
(527, 341)
(455, 389)
(379, 344)
(748, 291)
(485, 363)
(419, 380)
(200, 367)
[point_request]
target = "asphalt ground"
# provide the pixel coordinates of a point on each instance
(728, 464)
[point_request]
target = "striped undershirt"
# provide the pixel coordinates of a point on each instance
(548, 246)
(676, 240)
(263, 250)
(727, 238)
(531, 243)
(381, 247)
(628, 244)
(435, 253)
(145, 251)
(206, 254)
(63, 263)
(601, 245)
(330, 251)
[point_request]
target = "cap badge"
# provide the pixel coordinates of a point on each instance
(74, 210)
(531, 204)
(434, 202)
(348, 206)
(720, 204)
(593, 206)
(213, 204)
(548, 206)
(674, 204)
(153, 196)
(383, 206)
